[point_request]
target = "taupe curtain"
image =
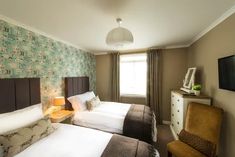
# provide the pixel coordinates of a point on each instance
(154, 82)
(115, 77)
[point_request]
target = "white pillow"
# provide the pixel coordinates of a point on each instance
(20, 118)
(20, 110)
(79, 101)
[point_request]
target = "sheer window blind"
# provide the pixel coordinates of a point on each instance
(133, 74)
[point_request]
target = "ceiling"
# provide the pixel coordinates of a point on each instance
(85, 23)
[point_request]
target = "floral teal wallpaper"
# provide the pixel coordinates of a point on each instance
(26, 54)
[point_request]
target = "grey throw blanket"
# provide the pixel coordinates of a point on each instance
(138, 123)
(121, 146)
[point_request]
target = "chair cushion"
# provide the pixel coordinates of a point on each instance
(180, 149)
(204, 146)
(204, 121)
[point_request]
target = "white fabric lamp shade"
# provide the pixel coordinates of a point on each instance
(119, 36)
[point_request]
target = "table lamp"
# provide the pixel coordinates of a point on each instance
(59, 101)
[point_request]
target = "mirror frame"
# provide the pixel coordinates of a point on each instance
(191, 80)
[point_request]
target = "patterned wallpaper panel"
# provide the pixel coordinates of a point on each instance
(26, 54)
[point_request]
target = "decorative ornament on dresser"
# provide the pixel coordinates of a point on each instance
(197, 89)
(189, 80)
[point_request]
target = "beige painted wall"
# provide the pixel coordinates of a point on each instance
(174, 69)
(219, 42)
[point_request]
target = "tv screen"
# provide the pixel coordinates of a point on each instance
(227, 73)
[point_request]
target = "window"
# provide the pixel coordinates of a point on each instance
(133, 74)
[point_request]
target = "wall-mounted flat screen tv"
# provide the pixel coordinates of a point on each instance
(226, 67)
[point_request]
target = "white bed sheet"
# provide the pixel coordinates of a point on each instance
(108, 116)
(69, 141)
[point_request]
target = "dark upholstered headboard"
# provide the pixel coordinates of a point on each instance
(18, 93)
(75, 86)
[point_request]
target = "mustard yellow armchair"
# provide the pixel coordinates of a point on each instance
(200, 136)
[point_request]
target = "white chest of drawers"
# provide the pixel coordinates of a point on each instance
(179, 104)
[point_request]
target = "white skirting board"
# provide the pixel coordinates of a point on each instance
(174, 134)
(172, 130)
(166, 122)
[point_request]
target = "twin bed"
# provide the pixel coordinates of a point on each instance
(131, 120)
(108, 116)
(19, 95)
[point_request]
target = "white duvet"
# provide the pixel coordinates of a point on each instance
(69, 141)
(108, 116)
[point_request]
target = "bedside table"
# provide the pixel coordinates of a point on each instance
(62, 116)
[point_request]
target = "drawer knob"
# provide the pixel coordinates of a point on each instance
(178, 110)
(172, 115)
(178, 100)
(172, 124)
(178, 123)
(172, 104)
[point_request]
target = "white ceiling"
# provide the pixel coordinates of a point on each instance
(85, 23)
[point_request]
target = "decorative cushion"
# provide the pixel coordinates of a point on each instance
(93, 103)
(202, 145)
(15, 141)
(181, 149)
(79, 101)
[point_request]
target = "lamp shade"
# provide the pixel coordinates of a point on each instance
(119, 37)
(58, 101)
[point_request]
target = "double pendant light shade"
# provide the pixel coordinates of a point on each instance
(119, 36)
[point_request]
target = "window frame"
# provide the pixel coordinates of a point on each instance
(132, 95)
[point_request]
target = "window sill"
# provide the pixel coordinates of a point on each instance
(132, 96)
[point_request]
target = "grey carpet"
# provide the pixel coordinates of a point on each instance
(164, 136)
